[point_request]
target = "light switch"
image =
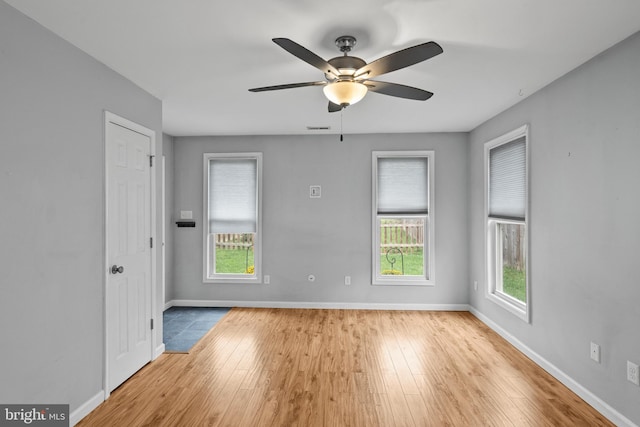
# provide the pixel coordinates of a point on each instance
(186, 214)
(315, 191)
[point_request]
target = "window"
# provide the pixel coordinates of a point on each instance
(232, 200)
(506, 195)
(403, 218)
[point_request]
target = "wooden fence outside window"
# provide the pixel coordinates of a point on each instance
(406, 235)
(234, 241)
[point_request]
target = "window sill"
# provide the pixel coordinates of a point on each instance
(516, 308)
(396, 281)
(230, 279)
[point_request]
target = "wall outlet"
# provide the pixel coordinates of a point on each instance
(347, 280)
(595, 352)
(267, 279)
(633, 375)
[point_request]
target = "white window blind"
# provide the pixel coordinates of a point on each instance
(507, 180)
(403, 185)
(232, 195)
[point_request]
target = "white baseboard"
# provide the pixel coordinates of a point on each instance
(605, 409)
(86, 408)
(158, 351)
(325, 305)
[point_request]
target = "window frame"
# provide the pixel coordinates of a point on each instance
(493, 242)
(428, 277)
(256, 277)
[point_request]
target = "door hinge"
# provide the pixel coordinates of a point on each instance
(151, 242)
(151, 161)
(152, 324)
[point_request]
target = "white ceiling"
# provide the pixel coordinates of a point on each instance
(200, 56)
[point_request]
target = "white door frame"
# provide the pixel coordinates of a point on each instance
(163, 209)
(121, 121)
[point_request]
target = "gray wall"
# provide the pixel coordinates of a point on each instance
(585, 232)
(328, 237)
(51, 251)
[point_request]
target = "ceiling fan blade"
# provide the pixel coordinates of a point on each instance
(400, 59)
(400, 91)
(287, 86)
(306, 55)
(333, 108)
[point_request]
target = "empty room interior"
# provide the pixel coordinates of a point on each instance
(418, 213)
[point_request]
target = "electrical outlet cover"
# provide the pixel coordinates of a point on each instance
(595, 352)
(633, 375)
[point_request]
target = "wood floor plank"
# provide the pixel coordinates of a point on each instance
(298, 367)
(399, 406)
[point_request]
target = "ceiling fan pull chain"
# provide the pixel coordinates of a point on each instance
(341, 136)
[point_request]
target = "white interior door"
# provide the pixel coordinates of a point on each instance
(128, 287)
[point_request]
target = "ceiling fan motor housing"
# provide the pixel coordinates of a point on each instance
(348, 64)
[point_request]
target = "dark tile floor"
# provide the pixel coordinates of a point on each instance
(184, 326)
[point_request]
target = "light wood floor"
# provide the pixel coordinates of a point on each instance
(277, 367)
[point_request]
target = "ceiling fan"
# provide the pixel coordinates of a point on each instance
(348, 78)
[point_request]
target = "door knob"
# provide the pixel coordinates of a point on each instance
(115, 269)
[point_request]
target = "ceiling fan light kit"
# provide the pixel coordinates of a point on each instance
(348, 78)
(344, 92)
